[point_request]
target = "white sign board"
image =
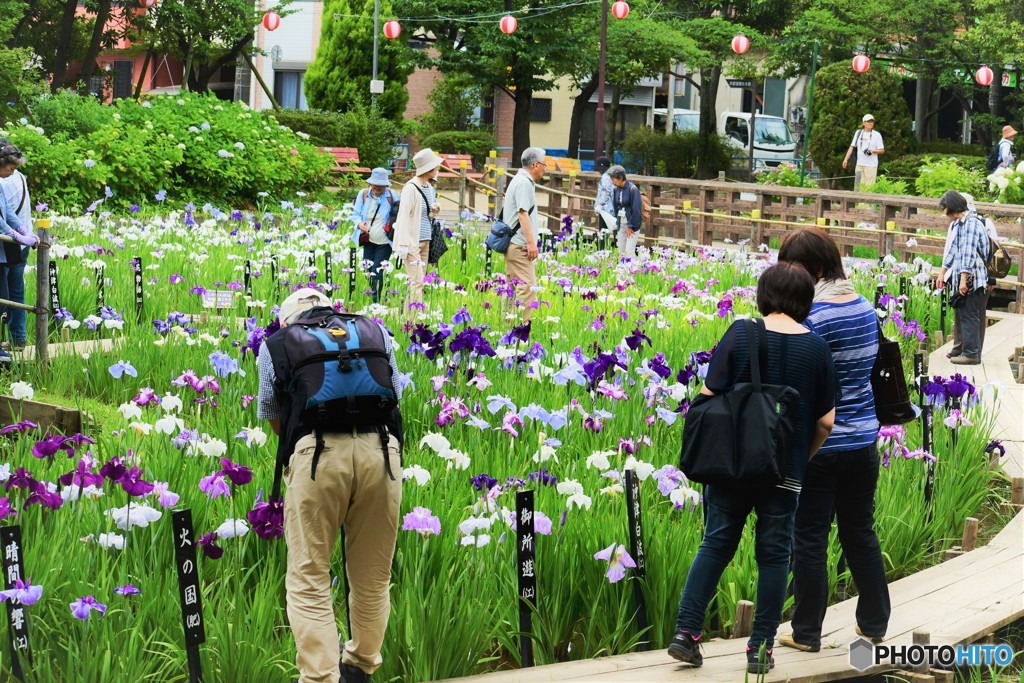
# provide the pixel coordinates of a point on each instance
(377, 87)
(218, 298)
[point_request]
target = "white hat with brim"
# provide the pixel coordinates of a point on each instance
(379, 177)
(867, 117)
(300, 301)
(425, 161)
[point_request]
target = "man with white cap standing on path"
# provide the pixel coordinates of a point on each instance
(867, 144)
(416, 209)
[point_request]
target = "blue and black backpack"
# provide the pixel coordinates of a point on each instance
(332, 374)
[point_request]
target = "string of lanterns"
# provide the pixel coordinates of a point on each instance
(508, 23)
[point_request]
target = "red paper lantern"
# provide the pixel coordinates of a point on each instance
(983, 76)
(392, 29)
(508, 24)
(740, 44)
(271, 21)
(148, 4)
(861, 63)
(620, 10)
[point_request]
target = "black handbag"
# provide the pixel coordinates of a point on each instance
(889, 384)
(438, 244)
(742, 437)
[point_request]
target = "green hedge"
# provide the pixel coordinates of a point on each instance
(191, 147)
(474, 143)
(651, 152)
(908, 167)
(945, 147)
(363, 129)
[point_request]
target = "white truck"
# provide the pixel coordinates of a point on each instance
(773, 141)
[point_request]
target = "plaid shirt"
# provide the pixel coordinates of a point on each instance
(969, 250)
(267, 407)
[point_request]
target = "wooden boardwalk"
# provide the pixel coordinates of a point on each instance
(961, 600)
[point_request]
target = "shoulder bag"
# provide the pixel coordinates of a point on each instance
(742, 437)
(500, 237)
(438, 245)
(889, 384)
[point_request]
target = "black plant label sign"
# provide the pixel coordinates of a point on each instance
(54, 288)
(247, 278)
(637, 550)
(351, 272)
(101, 283)
(137, 268)
(17, 617)
(188, 579)
(328, 268)
(526, 571)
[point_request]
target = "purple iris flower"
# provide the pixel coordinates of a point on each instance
(48, 447)
(267, 519)
(957, 386)
(82, 607)
(208, 542)
(145, 397)
(21, 479)
(423, 521)
(114, 470)
(6, 509)
(160, 196)
(161, 327)
(935, 392)
(471, 339)
(601, 367)
(214, 486)
(240, 475)
(520, 333)
(543, 477)
(23, 593)
(127, 590)
(660, 367)
(636, 339)
(996, 446)
(483, 482)
(462, 316)
(133, 483)
(20, 427)
(81, 476)
(45, 497)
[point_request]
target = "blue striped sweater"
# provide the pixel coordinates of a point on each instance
(851, 332)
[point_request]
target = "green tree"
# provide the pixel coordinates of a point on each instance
(841, 98)
(453, 104)
(340, 74)
(205, 36)
(468, 40)
(21, 78)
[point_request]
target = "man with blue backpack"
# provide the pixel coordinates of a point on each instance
(376, 211)
(330, 386)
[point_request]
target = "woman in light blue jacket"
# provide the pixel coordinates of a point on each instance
(14, 222)
(373, 219)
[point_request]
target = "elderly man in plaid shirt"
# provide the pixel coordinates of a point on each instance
(966, 259)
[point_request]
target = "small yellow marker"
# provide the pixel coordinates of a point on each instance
(821, 221)
(43, 223)
(687, 205)
(755, 213)
(890, 225)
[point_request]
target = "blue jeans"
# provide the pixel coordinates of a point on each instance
(378, 253)
(727, 511)
(12, 288)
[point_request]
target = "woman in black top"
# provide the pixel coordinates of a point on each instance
(802, 361)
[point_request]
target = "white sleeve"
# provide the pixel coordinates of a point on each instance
(990, 228)
(876, 142)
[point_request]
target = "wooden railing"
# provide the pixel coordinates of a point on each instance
(703, 211)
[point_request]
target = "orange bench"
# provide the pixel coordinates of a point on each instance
(346, 160)
(453, 162)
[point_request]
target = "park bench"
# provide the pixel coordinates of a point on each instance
(452, 163)
(346, 160)
(567, 165)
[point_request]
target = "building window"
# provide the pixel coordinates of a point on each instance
(96, 86)
(487, 111)
(243, 81)
(124, 72)
(288, 90)
(540, 109)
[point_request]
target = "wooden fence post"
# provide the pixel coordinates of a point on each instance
(42, 291)
(743, 623)
(462, 188)
(970, 537)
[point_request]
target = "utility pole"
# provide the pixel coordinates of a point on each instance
(810, 112)
(376, 38)
(599, 115)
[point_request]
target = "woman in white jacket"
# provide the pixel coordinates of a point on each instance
(416, 208)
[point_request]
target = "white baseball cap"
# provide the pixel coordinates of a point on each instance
(868, 117)
(300, 301)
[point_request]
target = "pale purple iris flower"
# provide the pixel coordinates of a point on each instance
(23, 593)
(215, 486)
(618, 561)
(122, 368)
(82, 607)
(422, 521)
(127, 590)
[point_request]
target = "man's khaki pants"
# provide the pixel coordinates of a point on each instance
(519, 266)
(352, 491)
(416, 266)
(868, 175)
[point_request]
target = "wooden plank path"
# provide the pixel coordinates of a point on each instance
(959, 601)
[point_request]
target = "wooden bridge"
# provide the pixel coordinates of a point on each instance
(962, 600)
(703, 212)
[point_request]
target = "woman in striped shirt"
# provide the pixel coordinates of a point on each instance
(840, 481)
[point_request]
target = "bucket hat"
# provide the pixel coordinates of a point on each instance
(425, 160)
(379, 177)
